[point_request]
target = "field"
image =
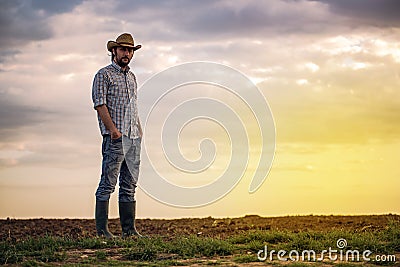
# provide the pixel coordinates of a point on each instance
(205, 241)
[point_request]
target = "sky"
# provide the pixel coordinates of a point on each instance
(329, 71)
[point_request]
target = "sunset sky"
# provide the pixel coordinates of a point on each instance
(330, 71)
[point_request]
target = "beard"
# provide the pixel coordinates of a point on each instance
(122, 63)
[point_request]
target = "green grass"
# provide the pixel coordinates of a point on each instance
(194, 246)
(245, 258)
(184, 250)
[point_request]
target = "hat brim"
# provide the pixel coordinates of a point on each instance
(112, 44)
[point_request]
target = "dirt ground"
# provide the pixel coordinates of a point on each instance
(15, 229)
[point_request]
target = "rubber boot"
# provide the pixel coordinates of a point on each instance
(127, 216)
(102, 219)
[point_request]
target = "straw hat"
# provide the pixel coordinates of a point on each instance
(124, 39)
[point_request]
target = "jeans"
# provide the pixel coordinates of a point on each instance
(120, 158)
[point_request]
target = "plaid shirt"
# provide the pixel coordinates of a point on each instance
(115, 89)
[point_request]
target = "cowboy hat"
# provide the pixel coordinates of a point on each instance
(124, 39)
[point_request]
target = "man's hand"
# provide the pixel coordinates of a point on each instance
(140, 130)
(115, 134)
(105, 117)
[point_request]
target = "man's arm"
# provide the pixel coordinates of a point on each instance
(102, 110)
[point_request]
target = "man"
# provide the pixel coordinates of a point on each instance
(114, 95)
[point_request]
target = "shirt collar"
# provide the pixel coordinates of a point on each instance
(118, 68)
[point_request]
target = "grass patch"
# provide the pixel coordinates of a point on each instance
(101, 255)
(193, 246)
(386, 241)
(269, 237)
(155, 251)
(47, 249)
(245, 258)
(171, 263)
(147, 251)
(346, 264)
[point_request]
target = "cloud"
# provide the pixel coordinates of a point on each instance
(178, 22)
(51, 7)
(383, 13)
(6, 163)
(17, 117)
(337, 106)
(8, 54)
(257, 18)
(24, 21)
(212, 20)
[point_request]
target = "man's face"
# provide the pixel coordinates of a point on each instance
(123, 55)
